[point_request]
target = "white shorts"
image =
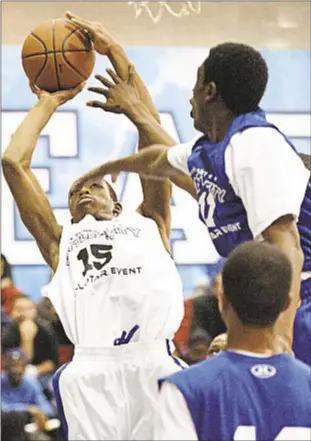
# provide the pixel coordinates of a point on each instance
(112, 393)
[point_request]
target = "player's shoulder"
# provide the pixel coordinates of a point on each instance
(299, 366)
(196, 374)
(259, 136)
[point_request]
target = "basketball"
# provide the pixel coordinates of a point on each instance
(57, 55)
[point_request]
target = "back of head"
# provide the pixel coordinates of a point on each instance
(256, 281)
(5, 268)
(240, 74)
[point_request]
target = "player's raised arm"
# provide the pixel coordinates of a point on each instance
(106, 44)
(152, 162)
(32, 203)
(123, 97)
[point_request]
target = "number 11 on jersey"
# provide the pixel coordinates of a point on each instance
(207, 204)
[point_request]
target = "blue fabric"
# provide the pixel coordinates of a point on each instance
(302, 331)
(28, 393)
(58, 399)
(227, 219)
(232, 390)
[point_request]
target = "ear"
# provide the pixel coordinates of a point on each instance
(220, 298)
(288, 303)
(210, 91)
(117, 209)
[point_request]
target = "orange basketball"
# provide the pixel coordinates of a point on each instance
(57, 55)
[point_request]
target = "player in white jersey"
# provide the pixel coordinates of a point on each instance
(115, 287)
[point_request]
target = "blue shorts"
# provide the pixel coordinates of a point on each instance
(302, 326)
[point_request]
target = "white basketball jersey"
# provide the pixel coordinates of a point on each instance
(115, 283)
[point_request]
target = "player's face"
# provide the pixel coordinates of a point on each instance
(198, 352)
(197, 101)
(91, 197)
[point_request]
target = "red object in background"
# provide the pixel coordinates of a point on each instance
(7, 295)
(182, 335)
(65, 354)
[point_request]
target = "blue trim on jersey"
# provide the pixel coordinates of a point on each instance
(58, 399)
(175, 359)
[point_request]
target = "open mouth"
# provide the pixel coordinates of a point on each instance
(85, 200)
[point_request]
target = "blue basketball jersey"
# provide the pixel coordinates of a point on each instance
(219, 207)
(240, 397)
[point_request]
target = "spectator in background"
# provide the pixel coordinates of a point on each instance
(13, 426)
(206, 313)
(46, 312)
(198, 346)
(219, 344)
(201, 312)
(8, 289)
(36, 339)
(22, 394)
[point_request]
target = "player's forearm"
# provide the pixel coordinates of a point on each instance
(284, 234)
(24, 140)
(147, 163)
(121, 64)
(148, 126)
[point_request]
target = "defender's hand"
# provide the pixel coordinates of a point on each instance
(57, 98)
(98, 33)
(121, 95)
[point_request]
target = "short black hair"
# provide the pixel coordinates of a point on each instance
(256, 280)
(7, 272)
(199, 336)
(240, 74)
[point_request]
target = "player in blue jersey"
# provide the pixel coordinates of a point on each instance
(250, 391)
(249, 181)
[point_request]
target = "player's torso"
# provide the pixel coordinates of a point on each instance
(253, 399)
(123, 283)
(219, 207)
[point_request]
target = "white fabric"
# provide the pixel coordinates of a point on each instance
(174, 421)
(139, 286)
(264, 172)
(267, 175)
(178, 155)
(112, 393)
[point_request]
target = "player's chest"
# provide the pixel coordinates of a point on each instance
(92, 250)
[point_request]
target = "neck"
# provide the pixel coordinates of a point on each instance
(253, 339)
(220, 124)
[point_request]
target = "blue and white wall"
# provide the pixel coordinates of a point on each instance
(79, 138)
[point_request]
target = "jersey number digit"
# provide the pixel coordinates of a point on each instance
(100, 252)
(286, 434)
(210, 204)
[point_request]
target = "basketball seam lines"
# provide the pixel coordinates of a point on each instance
(46, 56)
(56, 52)
(55, 59)
(73, 68)
(63, 50)
(68, 36)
